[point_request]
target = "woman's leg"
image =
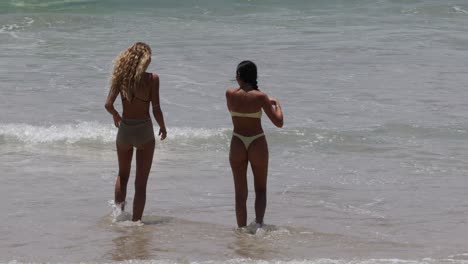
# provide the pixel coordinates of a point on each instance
(124, 156)
(258, 157)
(144, 160)
(238, 160)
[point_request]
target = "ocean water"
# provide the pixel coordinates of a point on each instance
(370, 166)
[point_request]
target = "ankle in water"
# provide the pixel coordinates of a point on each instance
(117, 211)
(258, 224)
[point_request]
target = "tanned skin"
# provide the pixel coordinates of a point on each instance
(137, 109)
(245, 99)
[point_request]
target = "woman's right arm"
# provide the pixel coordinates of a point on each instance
(272, 109)
(110, 106)
(157, 112)
(228, 99)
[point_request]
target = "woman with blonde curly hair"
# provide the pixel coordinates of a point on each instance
(137, 89)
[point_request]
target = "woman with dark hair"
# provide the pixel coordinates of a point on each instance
(248, 143)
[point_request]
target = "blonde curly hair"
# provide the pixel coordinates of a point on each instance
(129, 68)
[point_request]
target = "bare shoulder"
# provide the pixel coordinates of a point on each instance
(155, 80)
(261, 96)
(155, 76)
(230, 91)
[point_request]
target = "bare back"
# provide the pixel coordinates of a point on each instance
(139, 107)
(241, 101)
(252, 101)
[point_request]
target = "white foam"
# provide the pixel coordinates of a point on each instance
(463, 256)
(68, 133)
(129, 223)
(313, 261)
(458, 9)
(47, 4)
(87, 132)
(11, 29)
(122, 218)
(117, 214)
(201, 133)
(263, 230)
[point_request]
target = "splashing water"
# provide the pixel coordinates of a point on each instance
(118, 215)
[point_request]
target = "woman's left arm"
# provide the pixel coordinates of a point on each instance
(110, 106)
(272, 109)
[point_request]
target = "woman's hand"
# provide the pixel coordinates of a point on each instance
(117, 120)
(162, 133)
(274, 102)
(272, 109)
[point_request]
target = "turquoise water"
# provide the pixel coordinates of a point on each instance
(369, 168)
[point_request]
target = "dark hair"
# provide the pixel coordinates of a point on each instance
(247, 72)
